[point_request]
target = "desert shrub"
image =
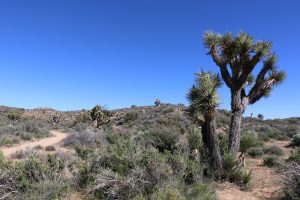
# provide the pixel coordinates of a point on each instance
(266, 132)
(131, 116)
(270, 161)
(183, 168)
(168, 193)
(87, 137)
(193, 172)
(38, 147)
(223, 142)
(26, 135)
(291, 130)
(30, 129)
(47, 189)
(8, 141)
(273, 150)
(200, 191)
(167, 110)
(109, 185)
(248, 140)
(234, 172)
(295, 156)
(222, 120)
(230, 166)
(247, 177)
(83, 152)
(255, 152)
(163, 138)
(23, 154)
(291, 182)
(32, 179)
(194, 138)
(296, 140)
(50, 148)
(83, 117)
(1, 159)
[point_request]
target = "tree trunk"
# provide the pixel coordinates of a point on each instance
(211, 141)
(238, 109)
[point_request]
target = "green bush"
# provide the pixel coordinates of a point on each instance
(270, 161)
(1, 159)
(255, 152)
(248, 140)
(131, 116)
(163, 138)
(273, 150)
(83, 152)
(233, 172)
(291, 174)
(48, 190)
(83, 117)
(50, 148)
(194, 138)
(247, 177)
(24, 153)
(295, 156)
(296, 140)
(168, 194)
(200, 191)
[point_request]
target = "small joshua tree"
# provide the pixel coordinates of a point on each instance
(260, 117)
(99, 115)
(204, 100)
(157, 102)
(14, 116)
(56, 118)
(237, 57)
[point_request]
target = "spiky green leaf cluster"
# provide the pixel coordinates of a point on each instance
(238, 56)
(203, 95)
(241, 45)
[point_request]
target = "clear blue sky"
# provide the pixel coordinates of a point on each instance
(73, 54)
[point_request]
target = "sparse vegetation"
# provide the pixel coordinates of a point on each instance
(160, 149)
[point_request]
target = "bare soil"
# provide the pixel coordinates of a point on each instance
(54, 140)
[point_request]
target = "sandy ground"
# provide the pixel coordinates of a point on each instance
(54, 140)
(265, 183)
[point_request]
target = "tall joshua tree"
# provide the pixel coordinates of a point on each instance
(237, 57)
(204, 99)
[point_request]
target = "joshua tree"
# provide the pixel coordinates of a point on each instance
(99, 115)
(204, 99)
(157, 102)
(260, 117)
(237, 58)
(14, 116)
(56, 118)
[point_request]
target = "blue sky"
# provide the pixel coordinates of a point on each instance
(73, 54)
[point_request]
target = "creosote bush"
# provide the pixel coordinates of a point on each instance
(273, 150)
(255, 152)
(270, 161)
(291, 182)
(296, 140)
(34, 179)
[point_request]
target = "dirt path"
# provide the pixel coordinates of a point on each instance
(265, 183)
(56, 137)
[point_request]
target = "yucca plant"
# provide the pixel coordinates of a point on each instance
(237, 57)
(204, 100)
